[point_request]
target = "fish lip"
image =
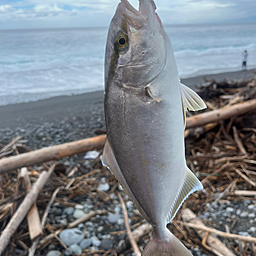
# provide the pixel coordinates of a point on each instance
(127, 6)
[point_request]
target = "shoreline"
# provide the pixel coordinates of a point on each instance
(59, 108)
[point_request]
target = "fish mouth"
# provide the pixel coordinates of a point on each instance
(137, 18)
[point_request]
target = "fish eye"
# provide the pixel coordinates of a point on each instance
(122, 41)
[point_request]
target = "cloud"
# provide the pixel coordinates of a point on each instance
(82, 13)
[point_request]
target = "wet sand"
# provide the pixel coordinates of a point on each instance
(61, 108)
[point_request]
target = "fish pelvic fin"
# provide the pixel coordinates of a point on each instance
(169, 246)
(190, 101)
(190, 185)
(109, 160)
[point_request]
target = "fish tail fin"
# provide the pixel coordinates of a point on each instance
(170, 246)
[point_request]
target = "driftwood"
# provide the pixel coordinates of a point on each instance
(23, 209)
(33, 215)
(221, 114)
(51, 153)
(212, 241)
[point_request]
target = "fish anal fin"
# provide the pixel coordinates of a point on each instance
(109, 160)
(190, 185)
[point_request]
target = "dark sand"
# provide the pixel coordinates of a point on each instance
(61, 108)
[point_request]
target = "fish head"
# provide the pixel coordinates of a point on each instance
(135, 50)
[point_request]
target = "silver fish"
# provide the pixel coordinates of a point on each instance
(145, 106)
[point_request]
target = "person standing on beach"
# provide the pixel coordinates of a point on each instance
(245, 55)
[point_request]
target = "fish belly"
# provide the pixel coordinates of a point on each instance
(148, 144)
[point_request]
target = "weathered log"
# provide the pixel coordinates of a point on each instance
(51, 153)
(221, 114)
(23, 209)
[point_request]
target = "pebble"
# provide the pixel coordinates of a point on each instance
(103, 187)
(106, 244)
(79, 207)
(75, 248)
(71, 236)
(91, 155)
(244, 214)
(85, 243)
(251, 215)
(53, 253)
(68, 210)
(243, 233)
(250, 207)
(78, 214)
(252, 229)
(230, 209)
(113, 218)
(95, 241)
(120, 221)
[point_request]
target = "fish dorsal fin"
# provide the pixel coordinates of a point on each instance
(109, 160)
(190, 101)
(190, 185)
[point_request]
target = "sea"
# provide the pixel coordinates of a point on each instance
(39, 64)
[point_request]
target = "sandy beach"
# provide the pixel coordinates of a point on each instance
(61, 108)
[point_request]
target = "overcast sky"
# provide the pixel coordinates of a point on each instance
(15, 14)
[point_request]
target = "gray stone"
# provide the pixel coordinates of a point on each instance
(129, 204)
(113, 218)
(252, 229)
(53, 253)
(79, 206)
(251, 206)
(251, 215)
(243, 233)
(120, 221)
(75, 248)
(85, 243)
(103, 187)
(68, 210)
(63, 221)
(107, 244)
(91, 155)
(230, 209)
(95, 241)
(244, 214)
(71, 236)
(78, 214)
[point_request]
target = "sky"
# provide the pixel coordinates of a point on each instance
(28, 14)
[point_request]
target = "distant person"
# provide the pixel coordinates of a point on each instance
(245, 55)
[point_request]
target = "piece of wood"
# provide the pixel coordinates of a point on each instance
(23, 209)
(129, 232)
(221, 114)
(51, 153)
(33, 218)
(32, 249)
(239, 142)
(243, 193)
(191, 220)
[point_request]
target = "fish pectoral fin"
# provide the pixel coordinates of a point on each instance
(190, 185)
(152, 94)
(109, 160)
(190, 101)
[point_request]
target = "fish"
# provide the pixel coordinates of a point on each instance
(145, 108)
